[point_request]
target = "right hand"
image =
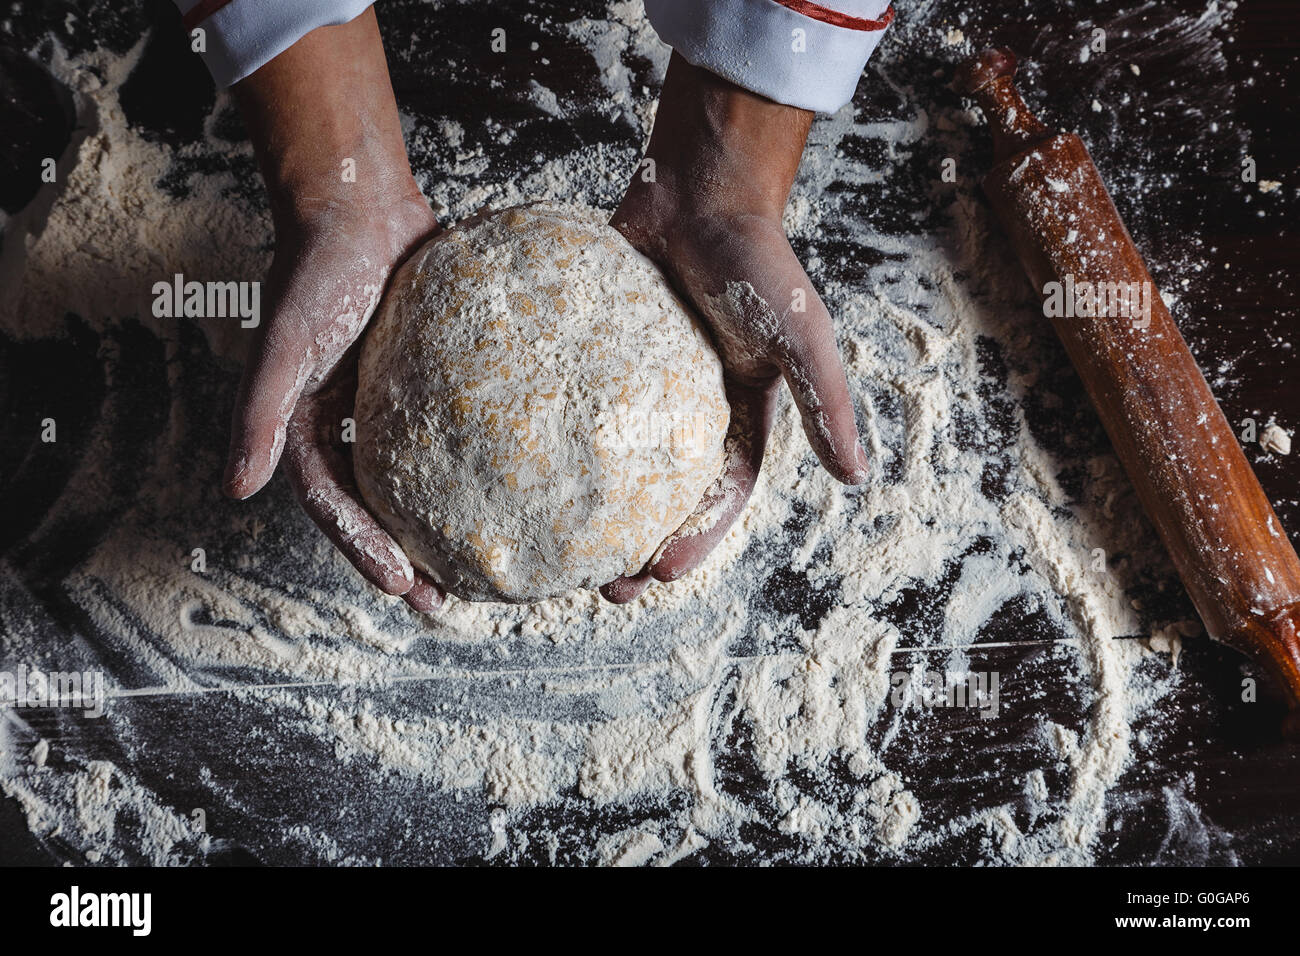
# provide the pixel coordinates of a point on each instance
(711, 217)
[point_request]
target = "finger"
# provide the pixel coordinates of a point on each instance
(268, 392)
(425, 596)
(810, 362)
(322, 479)
(313, 325)
(626, 588)
(751, 420)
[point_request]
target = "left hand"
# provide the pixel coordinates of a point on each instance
(318, 106)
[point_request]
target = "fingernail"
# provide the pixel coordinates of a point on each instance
(863, 471)
(426, 601)
(235, 471)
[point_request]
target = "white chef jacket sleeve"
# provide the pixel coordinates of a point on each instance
(242, 35)
(795, 52)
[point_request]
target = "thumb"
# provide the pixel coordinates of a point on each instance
(810, 363)
(273, 379)
(323, 306)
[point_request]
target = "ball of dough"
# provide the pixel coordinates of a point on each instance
(536, 409)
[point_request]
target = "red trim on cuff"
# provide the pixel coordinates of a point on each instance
(834, 18)
(201, 11)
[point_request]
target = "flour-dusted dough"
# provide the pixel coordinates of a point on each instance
(536, 410)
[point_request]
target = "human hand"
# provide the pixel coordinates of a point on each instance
(724, 160)
(324, 104)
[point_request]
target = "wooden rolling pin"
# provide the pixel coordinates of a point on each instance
(1179, 451)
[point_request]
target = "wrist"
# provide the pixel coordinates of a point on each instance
(718, 147)
(305, 201)
(325, 127)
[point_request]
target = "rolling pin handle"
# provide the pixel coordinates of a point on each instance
(988, 79)
(989, 65)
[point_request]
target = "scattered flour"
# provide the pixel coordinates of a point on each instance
(1275, 438)
(721, 715)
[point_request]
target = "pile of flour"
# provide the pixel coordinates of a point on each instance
(741, 714)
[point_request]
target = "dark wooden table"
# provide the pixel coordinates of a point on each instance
(1239, 315)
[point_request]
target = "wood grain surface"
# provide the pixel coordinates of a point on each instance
(1222, 785)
